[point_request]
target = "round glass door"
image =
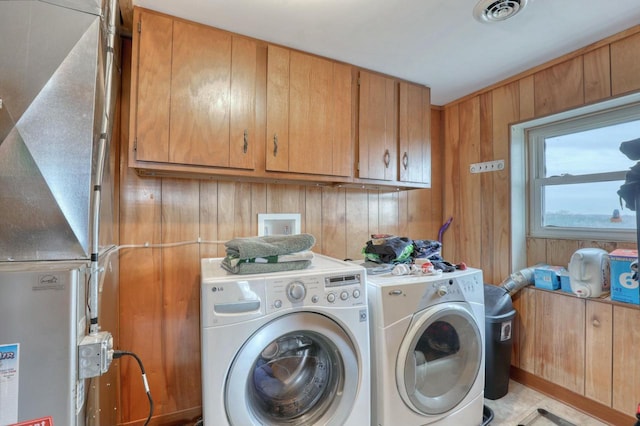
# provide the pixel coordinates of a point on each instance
(299, 369)
(439, 359)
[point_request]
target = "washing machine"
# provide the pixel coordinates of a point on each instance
(427, 346)
(286, 348)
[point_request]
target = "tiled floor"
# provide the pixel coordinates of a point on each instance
(517, 406)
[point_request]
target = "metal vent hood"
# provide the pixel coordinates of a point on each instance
(52, 94)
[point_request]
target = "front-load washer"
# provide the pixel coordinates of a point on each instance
(287, 348)
(427, 346)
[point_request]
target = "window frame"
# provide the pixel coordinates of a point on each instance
(537, 181)
(519, 175)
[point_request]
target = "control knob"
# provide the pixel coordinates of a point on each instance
(443, 290)
(296, 291)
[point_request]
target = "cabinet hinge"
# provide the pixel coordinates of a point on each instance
(135, 145)
(358, 166)
(358, 81)
(139, 26)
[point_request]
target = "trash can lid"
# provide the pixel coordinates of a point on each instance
(497, 301)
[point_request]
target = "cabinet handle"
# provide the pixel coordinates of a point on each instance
(387, 158)
(246, 141)
(275, 144)
(405, 160)
(596, 323)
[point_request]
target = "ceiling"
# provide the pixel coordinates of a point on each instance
(433, 42)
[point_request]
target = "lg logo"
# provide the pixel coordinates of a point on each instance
(215, 289)
(626, 280)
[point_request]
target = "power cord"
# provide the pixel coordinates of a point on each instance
(119, 354)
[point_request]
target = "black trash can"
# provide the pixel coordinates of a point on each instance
(499, 315)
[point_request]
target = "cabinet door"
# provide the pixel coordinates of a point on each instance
(377, 127)
(415, 133)
(560, 344)
(242, 143)
(310, 136)
(277, 149)
(153, 91)
(599, 329)
(626, 368)
(200, 93)
(319, 116)
(308, 114)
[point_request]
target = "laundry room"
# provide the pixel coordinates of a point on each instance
(400, 195)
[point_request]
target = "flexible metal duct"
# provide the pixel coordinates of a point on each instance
(52, 95)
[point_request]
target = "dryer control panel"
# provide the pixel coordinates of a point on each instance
(339, 290)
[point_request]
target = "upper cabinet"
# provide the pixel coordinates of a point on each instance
(414, 134)
(394, 130)
(377, 127)
(196, 94)
(309, 114)
(213, 103)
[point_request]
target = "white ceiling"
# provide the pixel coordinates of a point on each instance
(433, 42)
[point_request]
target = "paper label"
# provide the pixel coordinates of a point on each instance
(9, 380)
(43, 421)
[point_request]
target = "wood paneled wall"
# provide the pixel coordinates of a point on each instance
(159, 286)
(477, 129)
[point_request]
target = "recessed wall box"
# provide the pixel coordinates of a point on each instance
(278, 224)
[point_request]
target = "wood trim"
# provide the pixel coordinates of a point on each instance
(579, 402)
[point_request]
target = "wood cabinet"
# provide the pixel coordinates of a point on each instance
(414, 135)
(560, 342)
(626, 369)
(196, 94)
(309, 114)
(588, 346)
(377, 127)
(598, 351)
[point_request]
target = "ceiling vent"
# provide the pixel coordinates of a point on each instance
(497, 10)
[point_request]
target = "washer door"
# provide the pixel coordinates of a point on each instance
(300, 369)
(439, 358)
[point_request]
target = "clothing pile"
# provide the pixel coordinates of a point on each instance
(390, 249)
(274, 253)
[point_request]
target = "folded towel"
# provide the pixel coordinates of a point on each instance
(293, 257)
(260, 268)
(272, 245)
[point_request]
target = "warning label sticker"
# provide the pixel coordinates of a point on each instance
(44, 421)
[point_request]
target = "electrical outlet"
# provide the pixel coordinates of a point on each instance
(487, 166)
(95, 353)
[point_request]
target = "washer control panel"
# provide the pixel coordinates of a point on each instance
(339, 290)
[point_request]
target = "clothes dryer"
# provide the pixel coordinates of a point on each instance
(285, 348)
(427, 343)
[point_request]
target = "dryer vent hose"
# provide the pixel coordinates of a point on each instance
(518, 280)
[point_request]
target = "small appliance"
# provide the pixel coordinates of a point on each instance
(589, 272)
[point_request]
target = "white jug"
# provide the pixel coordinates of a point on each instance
(589, 272)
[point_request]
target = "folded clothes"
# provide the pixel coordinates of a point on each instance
(259, 268)
(272, 245)
(293, 257)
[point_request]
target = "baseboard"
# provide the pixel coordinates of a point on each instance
(579, 402)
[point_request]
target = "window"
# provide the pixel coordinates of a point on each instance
(575, 168)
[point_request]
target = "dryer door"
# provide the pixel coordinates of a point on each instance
(440, 358)
(301, 369)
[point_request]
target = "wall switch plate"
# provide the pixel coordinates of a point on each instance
(487, 166)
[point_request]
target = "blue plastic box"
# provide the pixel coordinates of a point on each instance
(623, 287)
(565, 283)
(547, 276)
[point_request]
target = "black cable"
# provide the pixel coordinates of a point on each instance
(119, 354)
